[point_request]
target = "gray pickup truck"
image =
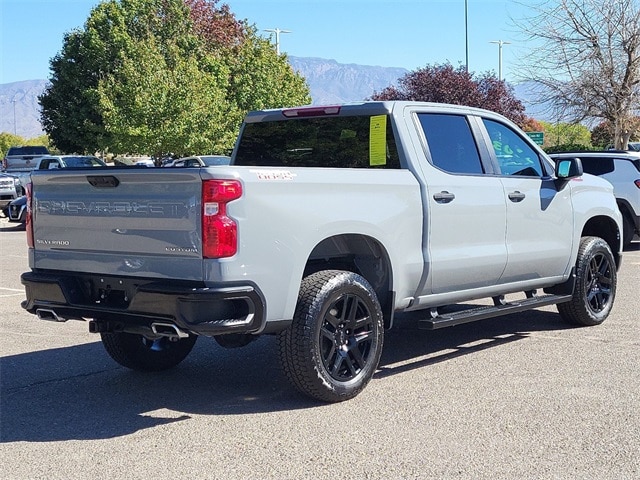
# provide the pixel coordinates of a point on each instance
(329, 222)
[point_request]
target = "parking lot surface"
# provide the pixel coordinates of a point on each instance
(522, 396)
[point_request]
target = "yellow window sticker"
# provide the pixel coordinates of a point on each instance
(378, 140)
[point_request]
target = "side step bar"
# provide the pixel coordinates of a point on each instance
(500, 308)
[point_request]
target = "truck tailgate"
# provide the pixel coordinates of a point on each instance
(118, 221)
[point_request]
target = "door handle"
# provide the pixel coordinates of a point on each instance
(443, 197)
(516, 196)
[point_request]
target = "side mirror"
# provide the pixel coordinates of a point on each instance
(568, 168)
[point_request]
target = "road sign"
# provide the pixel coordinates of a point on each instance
(537, 137)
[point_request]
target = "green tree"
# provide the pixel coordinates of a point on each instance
(562, 134)
(9, 140)
(260, 78)
(167, 99)
(149, 76)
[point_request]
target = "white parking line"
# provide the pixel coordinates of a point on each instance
(21, 290)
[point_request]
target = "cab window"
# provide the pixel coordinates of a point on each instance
(514, 155)
(451, 143)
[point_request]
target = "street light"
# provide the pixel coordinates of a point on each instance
(15, 129)
(466, 35)
(277, 31)
(500, 44)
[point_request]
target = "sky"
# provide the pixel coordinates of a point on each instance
(389, 33)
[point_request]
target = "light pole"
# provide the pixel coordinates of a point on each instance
(277, 31)
(500, 44)
(466, 35)
(15, 128)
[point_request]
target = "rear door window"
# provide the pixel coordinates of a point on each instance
(451, 143)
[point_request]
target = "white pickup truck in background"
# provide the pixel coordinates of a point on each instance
(328, 222)
(21, 160)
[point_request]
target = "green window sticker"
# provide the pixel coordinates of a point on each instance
(378, 140)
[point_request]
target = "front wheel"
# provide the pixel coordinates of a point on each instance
(595, 287)
(333, 346)
(138, 352)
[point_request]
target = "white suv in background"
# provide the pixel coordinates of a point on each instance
(622, 170)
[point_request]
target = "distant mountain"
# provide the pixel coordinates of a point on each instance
(528, 93)
(19, 101)
(330, 82)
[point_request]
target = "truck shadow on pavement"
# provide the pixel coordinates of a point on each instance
(79, 393)
(404, 352)
(5, 226)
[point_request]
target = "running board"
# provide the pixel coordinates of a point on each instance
(480, 313)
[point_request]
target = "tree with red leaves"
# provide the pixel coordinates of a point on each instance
(445, 84)
(217, 26)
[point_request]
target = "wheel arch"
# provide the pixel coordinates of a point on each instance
(360, 254)
(607, 229)
(626, 209)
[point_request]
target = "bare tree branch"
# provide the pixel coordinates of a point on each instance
(585, 56)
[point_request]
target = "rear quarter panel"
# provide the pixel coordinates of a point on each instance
(285, 213)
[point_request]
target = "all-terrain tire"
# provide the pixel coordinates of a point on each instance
(138, 352)
(333, 346)
(595, 288)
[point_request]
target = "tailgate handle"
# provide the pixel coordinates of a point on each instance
(103, 181)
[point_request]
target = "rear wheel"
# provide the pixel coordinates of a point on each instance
(333, 346)
(138, 352)
(595, 284)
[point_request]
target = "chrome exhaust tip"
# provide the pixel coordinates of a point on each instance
(168, 330)
(49, 315)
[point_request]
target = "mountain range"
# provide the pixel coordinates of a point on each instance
(330, 82)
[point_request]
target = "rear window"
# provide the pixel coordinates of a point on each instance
(335, 142)
(76, 162)
(597, 165)
(28, 150)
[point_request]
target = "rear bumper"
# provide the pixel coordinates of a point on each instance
(131, 304)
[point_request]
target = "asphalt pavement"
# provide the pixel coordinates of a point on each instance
(524, 396)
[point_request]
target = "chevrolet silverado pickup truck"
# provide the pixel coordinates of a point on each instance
(329, 222)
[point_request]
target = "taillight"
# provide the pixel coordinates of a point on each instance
(29, 222)
(219, 232)
(637, 182)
